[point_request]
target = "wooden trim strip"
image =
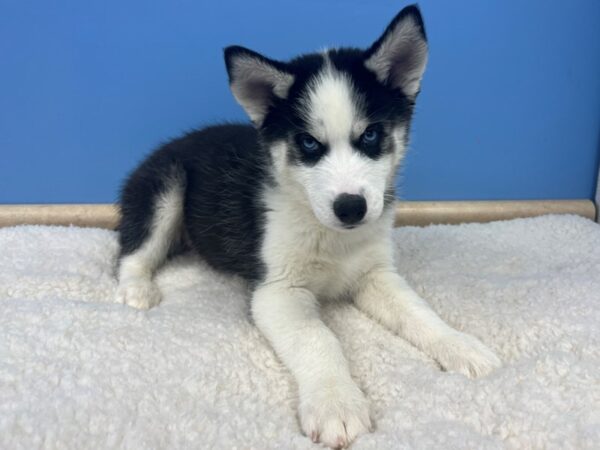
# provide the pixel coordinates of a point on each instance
(426, 213)
(407, 213)
(81, 215)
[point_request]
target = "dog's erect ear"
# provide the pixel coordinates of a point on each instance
(399, 56)
(256, 81)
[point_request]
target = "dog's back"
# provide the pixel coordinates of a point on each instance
(204, 189)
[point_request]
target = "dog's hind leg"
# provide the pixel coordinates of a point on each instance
(151, 225)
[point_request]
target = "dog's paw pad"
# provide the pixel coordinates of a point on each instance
(139, 293)
(463, 353)
(335, 416)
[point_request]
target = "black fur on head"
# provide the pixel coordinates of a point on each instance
(387, 74)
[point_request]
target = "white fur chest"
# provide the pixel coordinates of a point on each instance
(301, 252)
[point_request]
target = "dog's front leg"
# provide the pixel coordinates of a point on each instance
(332, 409)
(385, 296)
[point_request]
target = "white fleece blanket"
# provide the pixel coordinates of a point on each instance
(78, 371)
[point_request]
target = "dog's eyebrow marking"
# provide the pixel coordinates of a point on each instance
(359, 127)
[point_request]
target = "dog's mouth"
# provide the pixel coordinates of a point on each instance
(340, 227)
(350, 227)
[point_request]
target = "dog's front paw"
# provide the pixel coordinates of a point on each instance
(138, 293)
(460, 352)
(334, 413)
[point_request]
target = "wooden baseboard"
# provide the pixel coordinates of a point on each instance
(407, 213)
(426, 213)
(81, 215)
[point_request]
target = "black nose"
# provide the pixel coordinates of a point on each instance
(349, 208)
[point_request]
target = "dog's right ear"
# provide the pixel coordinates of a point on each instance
(256, 81)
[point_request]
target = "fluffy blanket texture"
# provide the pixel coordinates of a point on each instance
(79, 371)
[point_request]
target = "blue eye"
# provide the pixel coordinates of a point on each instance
(308, 143)
(370, 136)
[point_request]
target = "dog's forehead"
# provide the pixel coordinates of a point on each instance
(332, 107)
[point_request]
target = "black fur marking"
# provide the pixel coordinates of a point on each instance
(225, 168)
(140, 193)
(381, 103)
(308, 157)
(284, 119)
(372, 149)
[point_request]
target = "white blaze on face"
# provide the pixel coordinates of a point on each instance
(335, 116)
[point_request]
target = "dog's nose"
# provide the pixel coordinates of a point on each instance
(350, 208)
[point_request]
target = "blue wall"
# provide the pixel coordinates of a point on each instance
(510, 106)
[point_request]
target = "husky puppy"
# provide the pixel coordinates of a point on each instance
(301, 204)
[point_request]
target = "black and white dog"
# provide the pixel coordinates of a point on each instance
(302, 206)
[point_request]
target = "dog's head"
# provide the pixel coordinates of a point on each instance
(337, 122)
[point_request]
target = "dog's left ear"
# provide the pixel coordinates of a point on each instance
(398, 58)
(256, 82)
